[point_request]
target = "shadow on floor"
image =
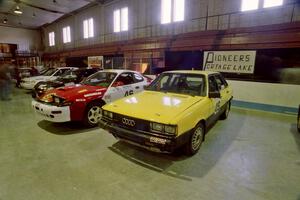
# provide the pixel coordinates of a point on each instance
(66, 128)
(177, 165)
(296, 134)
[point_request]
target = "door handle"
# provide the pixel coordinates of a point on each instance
(137, 87)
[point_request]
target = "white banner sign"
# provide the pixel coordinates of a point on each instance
(229, 61)
(95, 61)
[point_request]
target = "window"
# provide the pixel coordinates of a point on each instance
(249, 5)
(125, 78)
(271, 3)
(66, 34)
(138, 78)
(88, 28)
(121, 20)
(51, 39)
(255, 4)
(213, 86)
(172, 11)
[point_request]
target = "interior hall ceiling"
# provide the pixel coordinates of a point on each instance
(36, 13)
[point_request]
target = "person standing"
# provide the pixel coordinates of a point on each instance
(5, 83)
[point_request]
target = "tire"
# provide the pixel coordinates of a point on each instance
(92, 114)
(196, 140)
(225, 114)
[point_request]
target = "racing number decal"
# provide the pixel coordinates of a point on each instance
(129, 92)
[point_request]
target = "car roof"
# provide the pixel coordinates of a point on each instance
(66, 68)
(206, 73)
(118, 70)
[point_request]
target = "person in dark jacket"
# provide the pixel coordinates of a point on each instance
(5, 83)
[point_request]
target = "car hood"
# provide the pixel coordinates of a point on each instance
(153, 106)
(75, 91)
(38, 78)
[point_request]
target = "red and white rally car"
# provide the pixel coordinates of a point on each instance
(83, 102)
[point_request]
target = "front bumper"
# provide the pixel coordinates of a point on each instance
(51, 113)
(26, 85)
(147, 140)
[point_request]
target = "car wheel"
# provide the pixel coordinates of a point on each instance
(196, 139)
(93, 114)
(225, 114)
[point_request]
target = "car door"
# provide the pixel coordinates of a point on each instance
(223, 88)
(215, 102)
(122, 86)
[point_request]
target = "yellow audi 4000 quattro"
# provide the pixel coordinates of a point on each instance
(174, 111)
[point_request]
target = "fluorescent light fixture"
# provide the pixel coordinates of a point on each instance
(18, 10)
(249, 5)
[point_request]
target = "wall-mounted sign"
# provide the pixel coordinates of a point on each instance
(229, 61)
(95, 61)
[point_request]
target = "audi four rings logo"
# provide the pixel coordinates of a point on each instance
(128, 122)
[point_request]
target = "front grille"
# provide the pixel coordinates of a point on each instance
(131, 123)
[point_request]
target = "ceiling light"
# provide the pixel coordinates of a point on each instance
(18, 10)
(5, 21)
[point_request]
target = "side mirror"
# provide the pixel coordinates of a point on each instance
(214, 95)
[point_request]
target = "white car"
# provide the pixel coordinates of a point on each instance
(50, 75)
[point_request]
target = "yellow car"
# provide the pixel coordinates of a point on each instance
(174, 111)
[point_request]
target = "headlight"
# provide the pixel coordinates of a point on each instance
(42, 87)
(156, 127)
(108, 114)
(161, 128)
(56, 100)
(170, 129)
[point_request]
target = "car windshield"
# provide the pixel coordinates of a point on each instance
(49, 72)
(72, 73)
(103, 79)
(182, 83)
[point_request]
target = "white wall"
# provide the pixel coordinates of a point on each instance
(266, 93)
(25, 39)
(144, 20)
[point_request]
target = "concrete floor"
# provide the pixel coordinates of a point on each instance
(251, 155)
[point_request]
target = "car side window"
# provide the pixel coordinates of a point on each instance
(220, 82)
(224, 81)
(138, 78)
(60, 72)
(125, 79)
(213, 86)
